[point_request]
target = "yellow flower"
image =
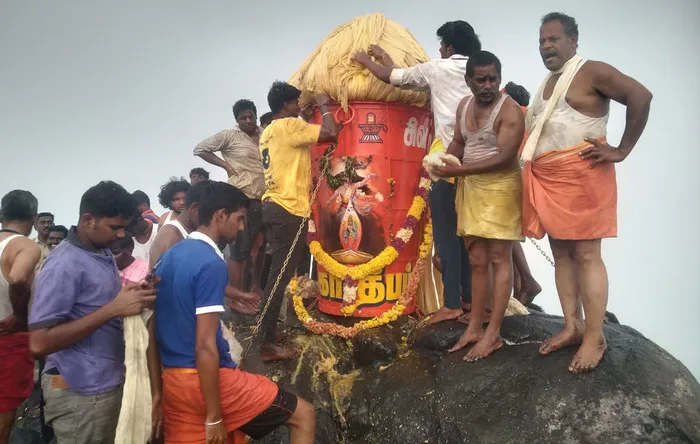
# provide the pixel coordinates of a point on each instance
(417, 207)
(349, 309)
(375, 266)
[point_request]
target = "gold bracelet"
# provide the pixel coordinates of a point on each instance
(209, 424)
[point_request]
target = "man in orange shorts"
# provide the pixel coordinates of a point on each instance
(570, 190)
(206, 398)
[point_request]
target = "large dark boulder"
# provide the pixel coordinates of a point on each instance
(639, 393)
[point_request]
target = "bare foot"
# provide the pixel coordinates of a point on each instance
(466, 307)
(528, 290)
(467, 317)
(588, 355)
(565, 338)
(486, 345)
(274, 352)
(472, 334)
(445, 314)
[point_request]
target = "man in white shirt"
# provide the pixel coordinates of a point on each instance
(444, 79)
(144, 233)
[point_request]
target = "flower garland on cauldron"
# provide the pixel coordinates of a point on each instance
(351, 275)
(392, 314)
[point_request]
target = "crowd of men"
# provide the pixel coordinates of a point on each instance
(121, 259)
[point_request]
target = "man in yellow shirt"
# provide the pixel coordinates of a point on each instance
(286, 159)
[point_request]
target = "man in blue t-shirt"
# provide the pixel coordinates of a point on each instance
(205, 396)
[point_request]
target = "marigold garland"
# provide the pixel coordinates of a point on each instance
(390, 315)
(351, 275)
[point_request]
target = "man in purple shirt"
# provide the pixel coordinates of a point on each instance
(75, 320)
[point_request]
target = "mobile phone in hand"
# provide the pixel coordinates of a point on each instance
(151, 279)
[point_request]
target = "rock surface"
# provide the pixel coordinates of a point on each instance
(397, 384)
(639, 393)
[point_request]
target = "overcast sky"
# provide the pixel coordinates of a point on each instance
(93, 90)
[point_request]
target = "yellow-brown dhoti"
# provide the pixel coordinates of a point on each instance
(490, 205)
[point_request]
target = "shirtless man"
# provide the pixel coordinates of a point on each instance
(488, 132)
(569, 169)
(18, 257)
(172, 197)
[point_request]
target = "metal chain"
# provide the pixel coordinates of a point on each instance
(305, 219)
(542, 252)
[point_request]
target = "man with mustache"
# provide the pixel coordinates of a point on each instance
(172, 197)
(488, 132)
(240, 158)
(56, 235)
(570, 190)
(43, 223)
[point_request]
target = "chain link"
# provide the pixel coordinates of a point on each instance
(542, 252)
(305, 219)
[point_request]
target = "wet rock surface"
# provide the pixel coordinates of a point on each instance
(397, 384)
(639, 393)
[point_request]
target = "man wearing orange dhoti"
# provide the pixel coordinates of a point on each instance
(570, 190)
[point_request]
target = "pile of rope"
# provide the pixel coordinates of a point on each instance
(330, 69)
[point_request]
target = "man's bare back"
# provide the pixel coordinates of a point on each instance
(167, 236)
(19, 258)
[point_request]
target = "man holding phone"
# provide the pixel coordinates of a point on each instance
(75, 321)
